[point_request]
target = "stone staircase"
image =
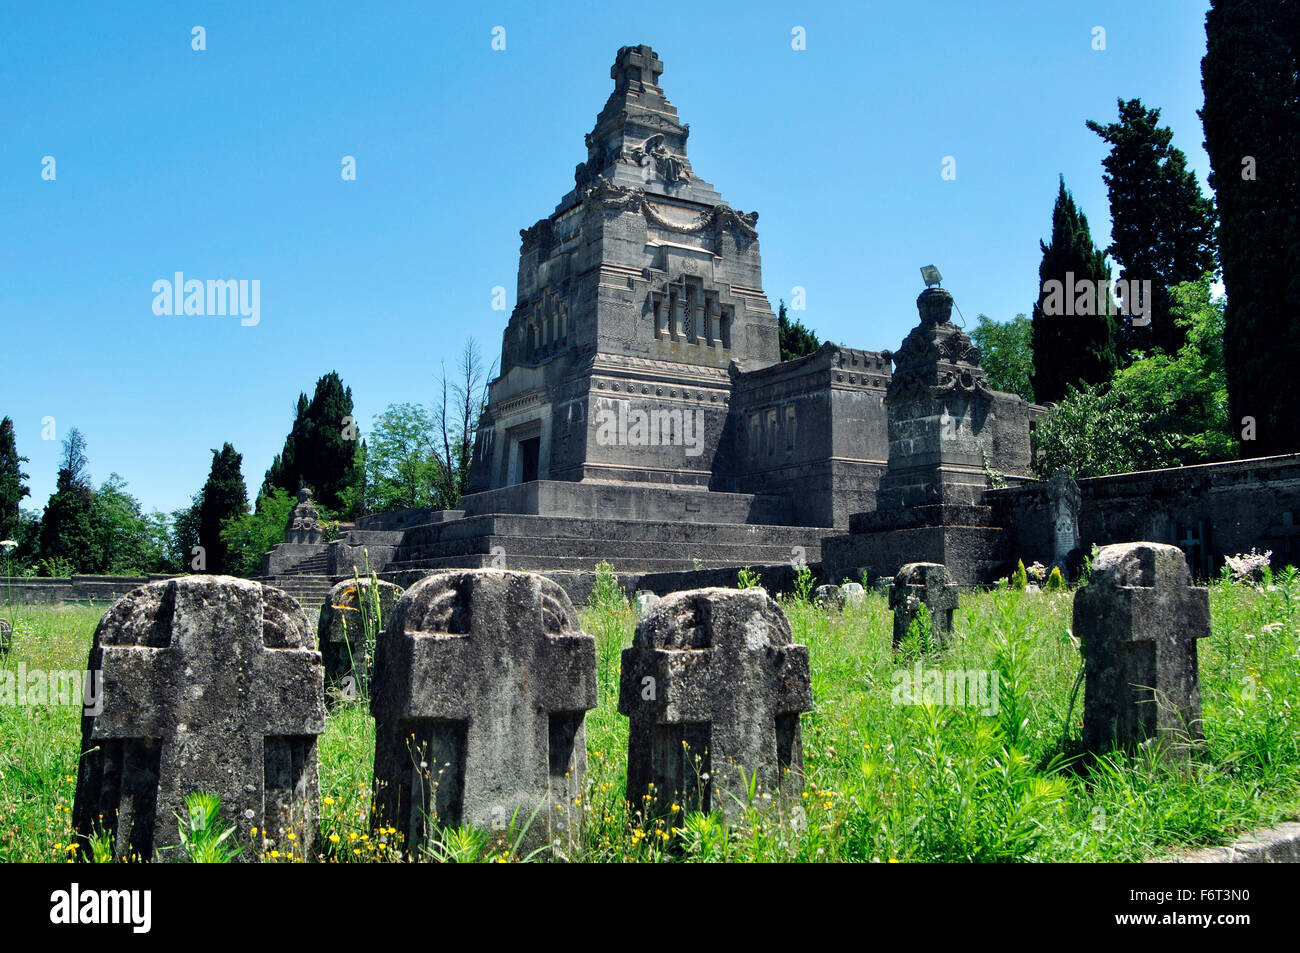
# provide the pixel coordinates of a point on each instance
(541, 543)
(309, 590)
(317, 565)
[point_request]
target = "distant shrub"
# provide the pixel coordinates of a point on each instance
(56, 567)
(1019, 578)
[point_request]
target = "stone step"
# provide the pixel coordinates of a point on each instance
(540, 563)
(738, 554)
(312, 565)
(310, 592)
(648, 530)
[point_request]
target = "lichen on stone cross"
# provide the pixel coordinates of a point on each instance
(1139, 618)
(483, 678)
(714, 685)
(209, 683)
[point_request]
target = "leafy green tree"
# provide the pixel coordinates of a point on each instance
(1251, 119)
(353, 498)
(1159, 411)
(250, 536)
(1071, 348)
(67, 531)
(1007, 353)
(420, 456)
(225, 497)
(184, 536)
(27, 534)
(402, 465)
(129, 541)
(321, 449)
(12, 479)
(1162, 226)
(1186, 395)
(285, 469)
(796, 340)
(1096, 431)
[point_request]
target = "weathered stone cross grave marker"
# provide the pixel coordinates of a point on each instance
(923, 583)
(210, 683)
(713, 684)
(483, 678)
(1139, 618)
(349, 608)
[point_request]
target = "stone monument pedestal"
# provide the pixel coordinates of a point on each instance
(964, 538)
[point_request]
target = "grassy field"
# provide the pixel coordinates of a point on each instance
(885, 781)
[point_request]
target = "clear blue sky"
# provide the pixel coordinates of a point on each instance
(226, 163)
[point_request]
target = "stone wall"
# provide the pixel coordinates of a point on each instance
(41, 589)
(813, 429)
(1207, 511)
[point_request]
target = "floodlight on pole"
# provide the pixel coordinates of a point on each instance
(930, 275)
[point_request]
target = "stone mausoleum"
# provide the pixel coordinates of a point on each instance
(643, 414)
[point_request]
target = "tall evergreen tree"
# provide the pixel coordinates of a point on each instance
(67, 525)
(184, 535)
(225, 497)
(1073, 334)
(12, 478)
(1251, 78)
(320, 451)
(1162, 226)
(796, 340)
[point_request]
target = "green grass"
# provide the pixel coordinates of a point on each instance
(884, 781)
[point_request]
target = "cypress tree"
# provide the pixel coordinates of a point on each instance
(224, 497)
(320, 451)
(796, 340)
(1251, 119)
(67, 525)
(1162, 226)
(12, 489)
(1073, 334)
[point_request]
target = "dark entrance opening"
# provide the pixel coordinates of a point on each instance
(529, 453)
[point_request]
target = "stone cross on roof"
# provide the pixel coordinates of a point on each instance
(636, 63)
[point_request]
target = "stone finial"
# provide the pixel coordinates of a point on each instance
(348, 610)
(713, 685)
(1139, 618)
(937, 358)
(209, 683)
(935, 306)
(483, 678)
(927, 583)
